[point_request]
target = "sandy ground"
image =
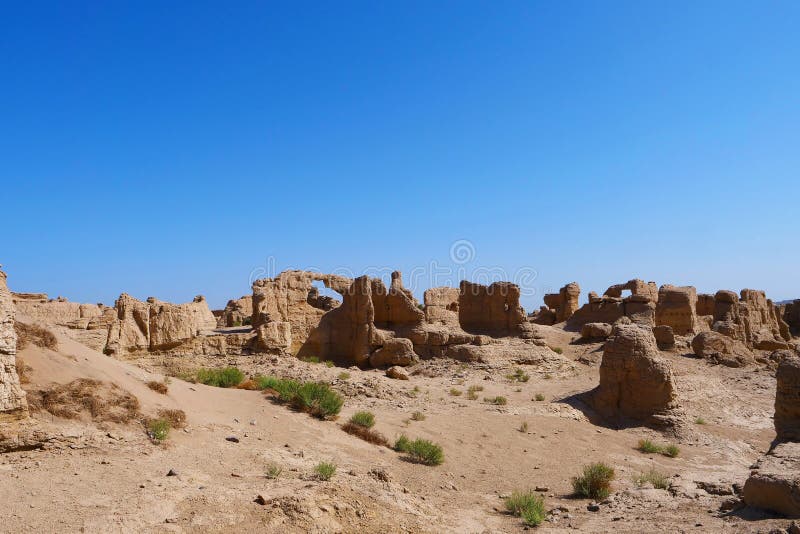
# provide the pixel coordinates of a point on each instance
(105, 477)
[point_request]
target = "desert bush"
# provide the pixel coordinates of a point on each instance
(671, 450)
(325, 470)
(315, 398)
(158, 429)
(158, 387)
(527, 505)
(344, 376)
(523, 427)
(455, 392)
(657, 479)
(329, 363)
(311, 359)
(222, 378)
(518, 376)
(417, 416)
(425, 452)
(539, 397)
(273, 471)
(31, 334)
(557, 350)
(699, 421)
(365, 419)
(365, 433)
(103, 402)
(176, 418)
(472, 392)
(647, 446)
(594, 482)
(401, 444)
(498, 400)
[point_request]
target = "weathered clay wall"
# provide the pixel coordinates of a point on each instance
(12, 398)
(493, 310)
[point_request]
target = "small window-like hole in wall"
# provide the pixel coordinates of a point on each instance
(626, 293)
(323, 297)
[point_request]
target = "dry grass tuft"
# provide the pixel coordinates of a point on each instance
(176, 418)
(158, 387)
(367, 434)
(30, 334)
(22, 371)
(103, 402)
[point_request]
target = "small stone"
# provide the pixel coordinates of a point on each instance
(260, 500)
(593, 507)
(172, 473)
(232, 439)
(542, 488)
(171, 520)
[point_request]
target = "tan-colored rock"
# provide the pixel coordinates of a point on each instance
(639, 306)
(635, 382)
(791, 316)
(787, 400)
(156, 325)
(721, 349)
(636, 287)
(493, 310)
(596, 331)
(398, 373)
(705, 304)
(395, 307)
(751, 319)
(237, 312)
(394, 352)
(565, 302)
(676, 308)
(441, 306)
(774, 484)
(13, 404)
(544, 315)
(665, 337)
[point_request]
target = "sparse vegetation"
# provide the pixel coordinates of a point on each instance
(222, 378)
(158, 387)
(363, 419)
(329, 363)
(594, 482)
(311, 359)
(417, 416)
(365, 433)
(315, 398)
(325, 470)
(420, 450)
(176, 418)
(103, 401)
(273, 471)
(344, 376)
(498, 400)
(538, 397)
(518, 376)
(158, 429)
(472, 392)
(699, 421)
(671, 450)
(523, 427)
(557, 350)
(527, 505)
(657, 479)
(548, 376)
(454, 392)
(22, 370)
(647, 446)
(31, 334)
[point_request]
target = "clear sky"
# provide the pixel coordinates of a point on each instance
(177, 148)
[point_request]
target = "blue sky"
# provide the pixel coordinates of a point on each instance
(171, 149)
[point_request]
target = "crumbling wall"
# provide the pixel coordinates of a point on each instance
(791, 316)
(238, 312)
(13, 404)
(565, 302)
(751, 319)
(441, 306)
(677, 308)
(636, 287)
(492, 310)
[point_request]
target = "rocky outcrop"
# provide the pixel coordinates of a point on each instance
(639, 306)
(13, 404)
(565, 302)
(637, 287)
(676, 308)
(238, 312)
(156, 325)
(596, 331)
(751, 319)
(787, 400)
(665, 337)
(774, 483)
(720, 349)
(635, 382)
(493, 310)
(791, 316)
(441, 306)
(705, 304)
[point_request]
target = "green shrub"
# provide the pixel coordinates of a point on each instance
(519, 376)
(557, 350)
(539, 397)
(699, 421)
(647, 446)
(418, 416)
(344, 376)
(273, 471)
(221, 378)
(455, 392)
(499, 400)
(402, 443)
(657, 479)
(424, 451)
(158, 429)
(329, 363)
(594, 482)
(285, 388)
(317, 399)
(325, 470)
(311, 359)
(527, 505)
(365, 419)
(671, 450)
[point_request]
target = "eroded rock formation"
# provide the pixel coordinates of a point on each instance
(791, 316)
(441, 306)
(635, 382)
(156, 325)
(676, 308)
(753, 319)
(787, 400)
(565, 302)
(721, 349)
(12, 398)
(238, 312)
(493, 310)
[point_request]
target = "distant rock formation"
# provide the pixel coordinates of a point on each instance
(635, 382)
(13, 404)
(441, 306)
(639, 306)
(493, 310)
(238, 312)
(677, 308)
(564, 303)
